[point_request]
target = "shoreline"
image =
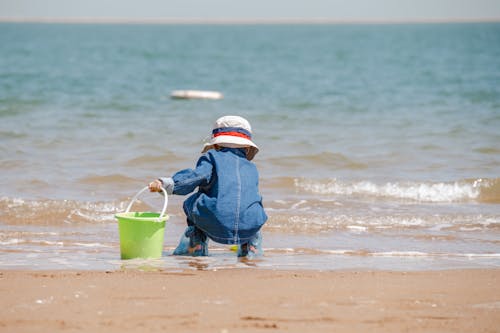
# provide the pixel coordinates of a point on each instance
(250, 300)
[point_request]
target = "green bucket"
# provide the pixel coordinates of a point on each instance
(141, 233)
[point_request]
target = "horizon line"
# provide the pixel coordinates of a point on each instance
(165, 20)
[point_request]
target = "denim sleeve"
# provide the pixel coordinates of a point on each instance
(168, 184)
(187, 180)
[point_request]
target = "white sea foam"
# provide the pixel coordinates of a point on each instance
(92, 245)
(401, 254)
(49, 243)
(42, 211)
(296, 205)
(356, 228)
(12, 241)
(342, 252)
(423, 192)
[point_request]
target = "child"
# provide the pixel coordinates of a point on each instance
(227, 207)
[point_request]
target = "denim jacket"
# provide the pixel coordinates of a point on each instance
(227, 207)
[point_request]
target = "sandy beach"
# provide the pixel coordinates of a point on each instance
(250, 300)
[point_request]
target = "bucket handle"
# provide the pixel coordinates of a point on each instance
(164, 209)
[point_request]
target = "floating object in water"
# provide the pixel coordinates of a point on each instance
(196, 94)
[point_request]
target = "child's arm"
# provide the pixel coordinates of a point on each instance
(187, 180)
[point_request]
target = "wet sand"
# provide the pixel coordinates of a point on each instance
(250, 300)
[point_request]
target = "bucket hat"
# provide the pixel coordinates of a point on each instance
(232, 132)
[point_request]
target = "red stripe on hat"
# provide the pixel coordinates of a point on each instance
(238, 134)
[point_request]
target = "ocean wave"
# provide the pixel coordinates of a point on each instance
(311, 222)
(482, 190)
(19, 211)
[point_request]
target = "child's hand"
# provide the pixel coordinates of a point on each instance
(155, 186)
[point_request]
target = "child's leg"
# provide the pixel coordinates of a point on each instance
(193, 242)
(253, 248)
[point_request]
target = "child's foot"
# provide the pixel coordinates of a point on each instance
(247, 251)
(192, 243)
(198, 250)
(251, 249)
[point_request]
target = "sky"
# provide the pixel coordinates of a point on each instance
(234, 10)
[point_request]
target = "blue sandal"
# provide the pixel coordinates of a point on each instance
(251, 249)
(193, 242)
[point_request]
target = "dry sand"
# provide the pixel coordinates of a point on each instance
(250, 300)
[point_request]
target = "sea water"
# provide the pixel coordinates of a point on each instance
(380, 144)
